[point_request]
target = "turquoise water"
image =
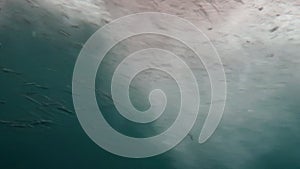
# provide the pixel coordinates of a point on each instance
(39, 128)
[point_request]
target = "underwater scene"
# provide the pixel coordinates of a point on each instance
(46, 112)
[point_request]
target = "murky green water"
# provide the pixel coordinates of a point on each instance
(39, 128)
